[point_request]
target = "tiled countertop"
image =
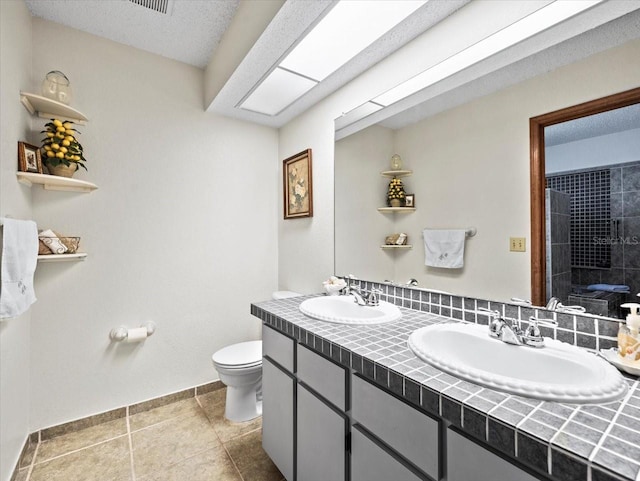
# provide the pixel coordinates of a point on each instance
(566, 441)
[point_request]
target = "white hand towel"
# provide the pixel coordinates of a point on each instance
(19, 258)
(444, 248)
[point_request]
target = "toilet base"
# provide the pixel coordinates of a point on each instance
(242, 403)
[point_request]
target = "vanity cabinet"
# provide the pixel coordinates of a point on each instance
(324, 422)
(370, 462)
(278, 419)
(412, 435)
(279, 400)
(467, 460)
(323, 426)
(321, 439)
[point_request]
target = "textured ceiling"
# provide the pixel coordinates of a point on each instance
(189, 32)
(193, 29)
(611, 122)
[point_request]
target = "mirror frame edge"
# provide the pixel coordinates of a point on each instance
(537, 172)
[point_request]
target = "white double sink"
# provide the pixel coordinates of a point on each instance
(557, 372)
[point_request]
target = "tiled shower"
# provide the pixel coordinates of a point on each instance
(604, 231)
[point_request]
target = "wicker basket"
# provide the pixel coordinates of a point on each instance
(71, 243)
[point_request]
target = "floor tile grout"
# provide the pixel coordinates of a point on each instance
(131, 463)
(220, 441)
(209, 410)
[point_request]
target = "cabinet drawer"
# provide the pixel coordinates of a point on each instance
(369, 462)
(278, 347)
(324, 376)
(411, 433)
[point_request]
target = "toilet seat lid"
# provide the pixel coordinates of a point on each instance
(242, 354)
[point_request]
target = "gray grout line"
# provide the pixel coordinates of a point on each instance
(130, 437)
(33, 461)
(612, 423)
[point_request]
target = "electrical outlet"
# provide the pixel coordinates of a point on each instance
(517, 244)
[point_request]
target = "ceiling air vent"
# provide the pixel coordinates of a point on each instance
(160, 6)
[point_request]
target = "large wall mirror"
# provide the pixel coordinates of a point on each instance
(465, 174)
(585, 204)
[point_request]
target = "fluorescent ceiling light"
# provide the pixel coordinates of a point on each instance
(344, 32)
(529, 26)
(280, 89)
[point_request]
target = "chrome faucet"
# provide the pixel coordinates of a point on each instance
(554, 304)
(372, 298)
(509, 331)
(532, 335)
(357, 295)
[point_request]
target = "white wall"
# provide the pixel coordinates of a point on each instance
(182, 231)
(471, 167)
(15, 200)
(609, 149)
(359, 159)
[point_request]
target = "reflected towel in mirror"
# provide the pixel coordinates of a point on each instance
(444, 248)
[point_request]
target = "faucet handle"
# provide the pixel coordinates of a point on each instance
(491, 312)
(495, 321)
(532, 335)
(373, 297)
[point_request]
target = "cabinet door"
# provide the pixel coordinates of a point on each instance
(411, 433)
(278, 403)
(322, 433)
(369, 462)
(467, 460)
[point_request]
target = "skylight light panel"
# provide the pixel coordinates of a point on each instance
(280, 89)
(527, 27)
(344, 32)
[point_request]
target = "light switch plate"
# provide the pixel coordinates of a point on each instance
(517, 244)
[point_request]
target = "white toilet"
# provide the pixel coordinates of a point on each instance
(240, 369)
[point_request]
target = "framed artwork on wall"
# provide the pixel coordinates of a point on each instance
(298, 185)
(29, 159)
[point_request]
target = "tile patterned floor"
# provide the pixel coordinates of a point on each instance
(186, 440)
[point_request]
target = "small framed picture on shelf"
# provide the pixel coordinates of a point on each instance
(29, 159)
(410, 200)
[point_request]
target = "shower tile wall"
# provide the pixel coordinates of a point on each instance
(558, 220)
(624, 232)
(590, 215)
(625, 207)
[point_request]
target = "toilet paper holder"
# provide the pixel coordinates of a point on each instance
(121, 333)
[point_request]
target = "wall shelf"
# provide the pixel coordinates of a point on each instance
(54, 182)
(79, 256)
(402, 210)
(47, 108)
(394, 247)
(396, 173)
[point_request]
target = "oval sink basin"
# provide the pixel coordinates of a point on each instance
(343, 310)
(556, 372)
